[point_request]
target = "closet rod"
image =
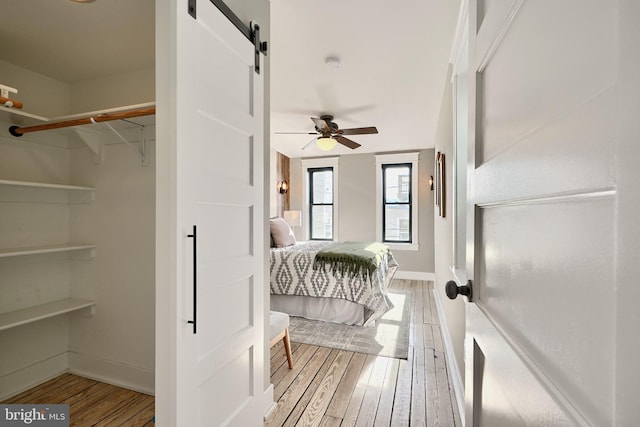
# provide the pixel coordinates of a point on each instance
(19, 131)
(8, 102)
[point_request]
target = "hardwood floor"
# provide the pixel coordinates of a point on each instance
(328, 387)
(92, 403)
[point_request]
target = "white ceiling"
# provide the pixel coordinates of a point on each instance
(73, 42)
(394, 59)
(392, 74)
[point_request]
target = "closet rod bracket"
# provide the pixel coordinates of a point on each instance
(13, 130)
(93, 142)
(89, 311)
(142, 146)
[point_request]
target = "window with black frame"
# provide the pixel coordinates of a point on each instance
(396, 203)
(321, 203)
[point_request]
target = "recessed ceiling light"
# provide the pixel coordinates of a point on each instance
(83, 1)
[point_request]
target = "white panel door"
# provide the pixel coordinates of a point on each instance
(542, 329)
(217, 371)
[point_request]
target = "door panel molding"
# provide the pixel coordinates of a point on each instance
(493, 29)
(568, 197)
(543, 276)
(523, 383)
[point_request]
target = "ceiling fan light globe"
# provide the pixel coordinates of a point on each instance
(326, 144)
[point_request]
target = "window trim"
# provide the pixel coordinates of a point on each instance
(391, 159)
(385, 203)
(324, 162)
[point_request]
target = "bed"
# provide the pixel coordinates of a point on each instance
(301, 287)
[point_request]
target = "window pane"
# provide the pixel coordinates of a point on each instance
(396, 223)
(322, 222)
(397, 182)
(322, 187)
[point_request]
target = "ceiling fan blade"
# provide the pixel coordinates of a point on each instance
(321, 124)
(347, 142)
(310, 142)
(359, 131)
(296, 133)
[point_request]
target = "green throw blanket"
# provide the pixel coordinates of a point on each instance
(351, 258)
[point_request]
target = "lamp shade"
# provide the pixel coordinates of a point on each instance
(326, 144)
(293, 218)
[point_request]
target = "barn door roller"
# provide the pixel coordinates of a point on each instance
(260, 46)
(252, 33)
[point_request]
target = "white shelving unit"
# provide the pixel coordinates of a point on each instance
(19, 117)
(35, 250)
(43, 311)
(44, 185)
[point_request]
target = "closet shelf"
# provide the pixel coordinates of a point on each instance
(44, 311)
(34, 250)
(44, 185)
(14, 115)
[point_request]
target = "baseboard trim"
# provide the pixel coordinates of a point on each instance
(30, 376)
(111, 372)
(414, 275)
(270, 405)
(454, 371)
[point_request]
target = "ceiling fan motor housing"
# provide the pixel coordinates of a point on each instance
(328, 119)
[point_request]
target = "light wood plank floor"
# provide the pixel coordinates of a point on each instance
(328, 387)
(92, 403)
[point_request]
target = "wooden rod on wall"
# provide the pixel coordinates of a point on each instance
(19, 131)
(11, 103)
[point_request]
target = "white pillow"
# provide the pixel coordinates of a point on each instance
(281, 233)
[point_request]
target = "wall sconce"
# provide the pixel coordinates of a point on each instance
(283, 187)
(431, 183)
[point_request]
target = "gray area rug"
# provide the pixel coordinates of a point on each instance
(389, 338)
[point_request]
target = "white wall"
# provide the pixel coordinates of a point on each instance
(453, 323)
(117, 344)
(50, 98)
(130, 88)
(41, 95)
(357, 205)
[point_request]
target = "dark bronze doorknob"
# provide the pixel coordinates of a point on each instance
(453, 290)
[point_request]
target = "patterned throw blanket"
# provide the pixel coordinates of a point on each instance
(292, 273)
(351, 258)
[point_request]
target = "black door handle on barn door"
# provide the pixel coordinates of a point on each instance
(194, 236)
(453, 290)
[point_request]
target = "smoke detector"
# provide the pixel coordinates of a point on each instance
(333, 62)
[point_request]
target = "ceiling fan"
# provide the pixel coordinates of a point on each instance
(330, 134)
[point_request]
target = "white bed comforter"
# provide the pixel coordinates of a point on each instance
(292, 273)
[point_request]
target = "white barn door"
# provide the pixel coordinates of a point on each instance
(215, 303)
(549, 329)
